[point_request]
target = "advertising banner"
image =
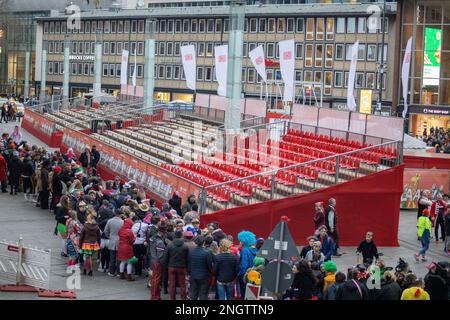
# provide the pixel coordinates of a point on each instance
(38, 122)
(365, 101)
(417, 180)
(257, 57)
(189, 65)
(405, 75)
(432, 57)
(287, 67)
(124, 67)
(351, 103)
(221, 58)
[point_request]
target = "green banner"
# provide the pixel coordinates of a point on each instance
(432, 57)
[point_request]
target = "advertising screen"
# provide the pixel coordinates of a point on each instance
(432, 57)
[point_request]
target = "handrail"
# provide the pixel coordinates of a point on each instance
(301, 164)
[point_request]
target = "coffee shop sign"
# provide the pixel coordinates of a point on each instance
(82, 58)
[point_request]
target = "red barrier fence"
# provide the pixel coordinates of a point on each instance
(370, 203)
(42, 128)
(436, 161)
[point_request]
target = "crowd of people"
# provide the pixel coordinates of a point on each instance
(10, 112)
(113, 226)
(438, 138)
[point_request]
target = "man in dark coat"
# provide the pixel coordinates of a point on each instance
(436, 282)
(44, 194)
(27, 171)
(95, 159)
(3, 173)
(176, 258)
(390, 289)
(331, 224)
(14, 168)
(352, 289)
(200, 267)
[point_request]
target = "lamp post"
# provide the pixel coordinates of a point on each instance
(98, 66)
(381, 66)
(65, 103)
(149, 66)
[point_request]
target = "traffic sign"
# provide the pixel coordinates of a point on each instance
(274, 243)
(269, 277)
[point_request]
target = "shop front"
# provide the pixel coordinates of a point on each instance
(423, 118)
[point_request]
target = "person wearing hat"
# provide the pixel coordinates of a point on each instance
(436, 281)
(424, 232)
(143, 208)
(330, 271)
(189, 239)
(157, 248)
(14, 168)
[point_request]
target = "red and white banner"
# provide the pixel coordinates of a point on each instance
(287, 67)
(351, 103)
(124, 67)
(259, 62)
(221, 58)
(189, 65)
(405, 75)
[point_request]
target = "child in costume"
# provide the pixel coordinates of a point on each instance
(73, 228)
(248, 253)
(330, 271)
(89, 242)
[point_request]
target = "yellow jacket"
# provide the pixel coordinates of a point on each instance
(329, 279)
(415, 293)
(424, 223)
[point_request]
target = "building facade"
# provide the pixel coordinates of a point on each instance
(323, 33)
(428, 23)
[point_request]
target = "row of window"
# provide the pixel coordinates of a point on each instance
(113, 26)
(317, 27)
(87, 69)
(109, 48)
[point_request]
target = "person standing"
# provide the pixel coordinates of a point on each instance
(73, 228)
(89, 242)
(447, 233)
(4, 113)
(331, 224)
(16, 135)
(424, 232)
(439, 208)
(44, 182)
(424, 202)
(95, 159)
(157, 249)
(27, 171)
(112, 229)
(175, 203)
(188, 204)
(3, 173)
(226, 270)
(176, 259)
(14, 167)
(319, 217)
(200, 266)
(352, 289)
(125, 250)
(85, 160)
(327, 244)
(248, 253)
(140, 230)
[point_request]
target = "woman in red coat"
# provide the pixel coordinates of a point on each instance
(125, 250)
(319, 217)
(3, 173)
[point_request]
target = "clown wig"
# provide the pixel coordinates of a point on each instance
(247, 238)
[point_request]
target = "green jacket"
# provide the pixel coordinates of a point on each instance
(424, 223)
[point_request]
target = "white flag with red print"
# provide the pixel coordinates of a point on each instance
(189, 65)
(287, 67)
(124, 67)
(221, 58)
(405, 75)
(259, 61)
(351, 103)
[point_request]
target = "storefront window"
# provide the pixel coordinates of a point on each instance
(444, 94)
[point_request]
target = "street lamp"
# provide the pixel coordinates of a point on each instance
(381, 65)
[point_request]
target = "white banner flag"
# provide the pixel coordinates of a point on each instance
(287, 67)
(405, 75)
(124, 67)
(221, 57)
(259, 62)
(189, 65)
(133, 79)
(351, 103)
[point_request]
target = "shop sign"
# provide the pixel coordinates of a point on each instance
(82, 57)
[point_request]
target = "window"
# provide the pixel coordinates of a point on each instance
(186, 26)
(309, 55)
(219, 25)
(209, 49)
(162, 26)
(140, 71)
(57, 27)
(299, 50)
(82, 27)
(200, 73)
(300, 25)
(330, 28)
(114, 26)
(243, 75)
(253, 25)
(107, 27)
(251, 46)
(269, 74)
(59, 67)
(80, 69)
(319, 55)
(178, 26)
(362, 25)
(329, 56)
(210, 26)
(52, 27)
(74, 69)
(320, 26)
(126, 46)
(298, 75)
(131, 70)
(338, 79)
(194, 26)
(262, 25)
(317, 76)
(348, 52)
(93, 26)
(271, 25)
(50, 67)
(340, 27)
(370, 80)
(383, 82)
(92, 71)
(351, 25)
(170, 26)
(133, 26)
(176, 48)
(386, 26)
(100, 26)
(328, 82)
(87, 47)
(371, 52)
(200, 49)
(74, 47)
(140, 48)
(176, 72)
(118, 67)
(202, 26)
(384, 53)
(270, 50)
(92, 48)
(170, 48)
(63, 27)
(141, 27)
(119, 49)
(106, 48)
(162, 48)
(87, 27)
(50, 46)
(46, 27)
(208, 74)
(290, 25)
(226, 25)
(160, 72)
(251, 75)
(86, 69)
(310, 29)
(339, 51)
(112, 48)
(361, 52)
(120, 26)
(245, 49)
(281, 28)
(359, 80)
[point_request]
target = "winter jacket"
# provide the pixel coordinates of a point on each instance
(175, 203)
(310, 257)
(304, 286)
(84, 159)
(112, 229)
(447, 224)
(328, 218)
(103, 215)
(177, 254)
(95, 158)
(226, 267)
(60, 214)
(3, 168)
(57, 187)
(368, 250)
(27, 169)
(389, 291)
(319, 220)
(126, 241)
(218, 235)
(200, 263)
(349, 291)
(187, 207)
(328, 246)
(436, 287)
(14, 168)
(330, 292)
(140, 230)
(329, 279)
(304, 251)
(246, 259)
(157, 249)
(423, 224)
(90, 234)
